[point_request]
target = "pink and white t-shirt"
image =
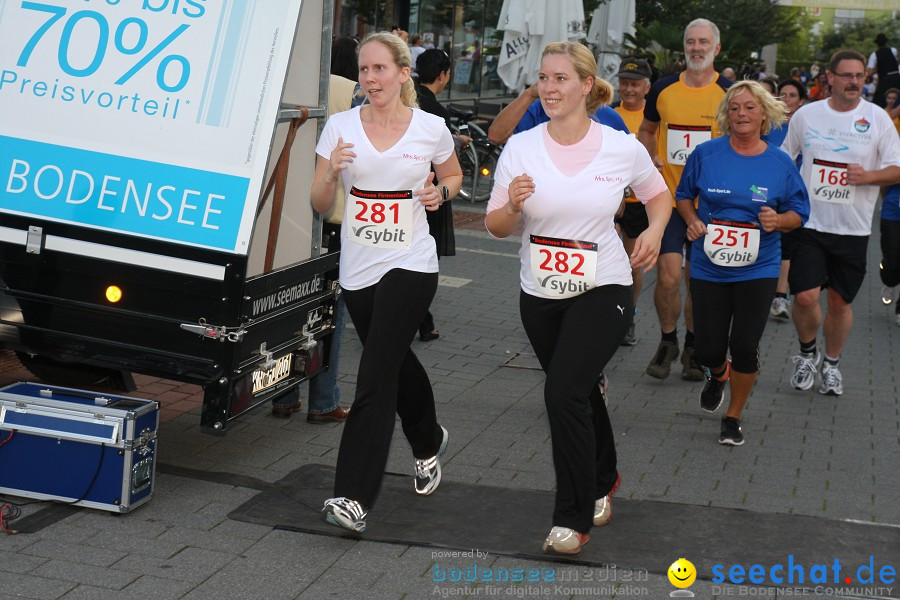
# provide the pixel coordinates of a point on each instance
(569, 242)
(384, 225)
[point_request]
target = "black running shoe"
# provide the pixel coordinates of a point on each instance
(713, 394)
(731, 432)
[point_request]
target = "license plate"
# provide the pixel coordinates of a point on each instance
(264, 378)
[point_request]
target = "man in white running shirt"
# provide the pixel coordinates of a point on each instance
(850, 148)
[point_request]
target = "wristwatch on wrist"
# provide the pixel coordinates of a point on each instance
(445, 193)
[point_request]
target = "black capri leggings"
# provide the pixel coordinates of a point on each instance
(573, 339)
(890, 253)
(391, 381)
(731, 315)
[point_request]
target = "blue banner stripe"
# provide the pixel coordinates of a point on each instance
(223, 86)
(128, 195)
(203, 109)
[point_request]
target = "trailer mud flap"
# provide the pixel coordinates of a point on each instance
(286, 343)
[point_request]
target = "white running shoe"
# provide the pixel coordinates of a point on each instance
(562, 540)
(887, 295)
(781, 308)
(428, 471)
(831, 380)
(345, 513)
(805, 367)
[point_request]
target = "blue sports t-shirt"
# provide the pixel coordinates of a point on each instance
(776, 135)
(535, 115)
(890, 207)
(731, 189)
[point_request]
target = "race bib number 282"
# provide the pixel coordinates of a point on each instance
(563, 268)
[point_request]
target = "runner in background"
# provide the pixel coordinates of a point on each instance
(889, 269)
(680, 114)
(793, 94)
(566, 178)
(850, 148)
(634, 83)
(383, 153)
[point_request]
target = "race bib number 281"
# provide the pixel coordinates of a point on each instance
(381, 219)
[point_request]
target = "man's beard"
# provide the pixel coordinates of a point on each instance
(703, 65)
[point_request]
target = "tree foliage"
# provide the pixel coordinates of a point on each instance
(745, 25)
(859, 36)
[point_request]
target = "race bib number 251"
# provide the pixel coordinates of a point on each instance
(731, 244)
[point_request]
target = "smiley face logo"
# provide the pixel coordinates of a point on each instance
(682, 573)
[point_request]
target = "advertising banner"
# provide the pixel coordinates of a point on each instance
(151, 118)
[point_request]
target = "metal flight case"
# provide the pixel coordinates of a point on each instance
(83, 448)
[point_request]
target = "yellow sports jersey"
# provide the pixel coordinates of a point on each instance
(686, 117)
(632, 118)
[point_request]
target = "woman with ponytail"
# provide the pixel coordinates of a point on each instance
(566, 179)
(384, 153)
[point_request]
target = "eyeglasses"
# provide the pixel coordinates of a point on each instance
(850, 76)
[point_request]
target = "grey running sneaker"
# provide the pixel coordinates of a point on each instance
(731, 432)
(713, 394)
(691, 370)
(603, 386)
(629, 339)
(661, 364)
(781, 309)
(562, 540)
(345, 513)
(831, 380)
(805, 367)
(603, 506)
(887, 295)
(428, 471)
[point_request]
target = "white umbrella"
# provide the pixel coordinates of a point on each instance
(609, 24)
(528, 26)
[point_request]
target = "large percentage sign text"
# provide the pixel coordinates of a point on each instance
(119, 40)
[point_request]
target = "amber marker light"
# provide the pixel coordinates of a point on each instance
(113, 293)
(485, 171)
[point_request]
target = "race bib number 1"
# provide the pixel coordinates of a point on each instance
(682, 139)
(829, 182)
(563, 268)
(381, 219)
(731, 244)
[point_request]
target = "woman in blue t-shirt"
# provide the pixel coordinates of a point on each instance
(748, 192)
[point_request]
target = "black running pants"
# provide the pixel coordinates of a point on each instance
(391, 381)
(573, 339)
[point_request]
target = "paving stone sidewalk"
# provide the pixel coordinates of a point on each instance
(806, 454)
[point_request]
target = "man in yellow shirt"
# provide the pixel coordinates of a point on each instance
(634, 84)
(680, 113)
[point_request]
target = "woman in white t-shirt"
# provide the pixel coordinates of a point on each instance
(383, 152)
(567, 178)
